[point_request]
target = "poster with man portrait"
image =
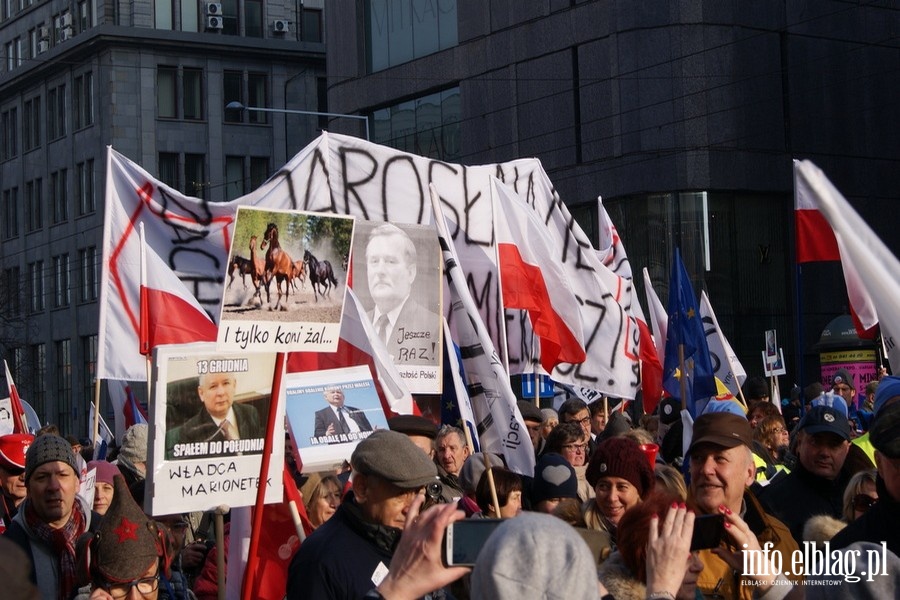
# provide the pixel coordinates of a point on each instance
(208, 426)
(285, 281)
(397, 277)
(329, 412)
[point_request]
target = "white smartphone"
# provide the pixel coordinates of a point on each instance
(464, 539)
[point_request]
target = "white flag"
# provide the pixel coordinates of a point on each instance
(502, 428)
(726, 366)
(873, 284)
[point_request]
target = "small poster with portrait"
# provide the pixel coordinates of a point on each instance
(208, 427)
(329, 412)
(397, 278)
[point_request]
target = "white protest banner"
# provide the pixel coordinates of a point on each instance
(329, 412)
(346, 175)
(6, 418)
(207, 429)
(726, 365)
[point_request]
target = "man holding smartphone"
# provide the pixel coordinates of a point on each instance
(722, 468)
(349, 554)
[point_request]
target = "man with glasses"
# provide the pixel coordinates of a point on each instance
(127, 556)
(12, 475)
(349, 554)
(575, 410)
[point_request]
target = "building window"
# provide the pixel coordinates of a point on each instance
(166, 98)
(89, 356)
(10, 213)
(193, 93)
(253, 18)
(31, 124)
(233, 86)
(311, 30)
(195, 175)
(39, 378)
(83, 98)
(88, 267)
(59, 195)
(257, 88)
(10, 122)
(64, 381)
(84, 187)
(163, 13)
(399, 30)
(230, 22)
(56, 112)
(12, 286)
(34, 205)
(85, 21)
(428, 126)
(190, 16)
(259, 171)
(36, 285)
(61, 293)
(168, 169)
(234, 177)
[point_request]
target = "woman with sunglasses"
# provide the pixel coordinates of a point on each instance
(860, 495)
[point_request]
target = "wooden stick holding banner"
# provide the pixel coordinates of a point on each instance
(220, 549)
(682, 381)
(487, 466)
(246, 589)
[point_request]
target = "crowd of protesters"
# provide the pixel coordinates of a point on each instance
(609, 511)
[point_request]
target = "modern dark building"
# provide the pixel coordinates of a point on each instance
(684, 116)
(151, 79)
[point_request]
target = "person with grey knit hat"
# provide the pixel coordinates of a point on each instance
(348, 555)
(53, 517)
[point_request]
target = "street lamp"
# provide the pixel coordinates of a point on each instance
(235, 105)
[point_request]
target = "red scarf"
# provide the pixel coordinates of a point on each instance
(62, 541)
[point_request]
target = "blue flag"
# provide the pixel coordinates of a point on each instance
(686, 330)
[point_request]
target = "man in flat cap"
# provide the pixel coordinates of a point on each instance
(533, 419)
(349, 554)
(816, 485)
(52, 517)
(722, 468)
(12, 475)
(880, 523)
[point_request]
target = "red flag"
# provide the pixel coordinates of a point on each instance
(651, 369)
(170, 314)
(19, 421)
(278, 542)
(815, 238)
(532, 280)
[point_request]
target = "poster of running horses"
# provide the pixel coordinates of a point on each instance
(285, 281)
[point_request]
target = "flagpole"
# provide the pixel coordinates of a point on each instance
(96, 412)
(250, 569)
(682, 381)
(503, 340)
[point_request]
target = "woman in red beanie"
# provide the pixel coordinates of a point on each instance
(621, 477)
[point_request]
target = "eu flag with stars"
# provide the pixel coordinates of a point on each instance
(686, 330)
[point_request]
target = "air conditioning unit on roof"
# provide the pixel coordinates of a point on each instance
(43, 46)
(214, 8)
(44, 32)
(280, 26)
(213, 22)
(67, 20)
